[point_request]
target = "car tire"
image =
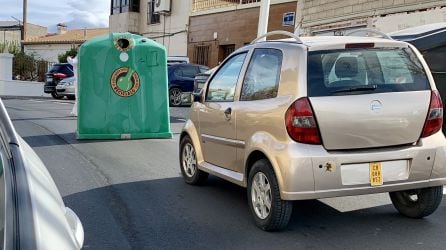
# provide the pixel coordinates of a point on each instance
(188, 163)
(175, 97)
(56, 96)
(259, 196)
(417, 203)
(71, 97)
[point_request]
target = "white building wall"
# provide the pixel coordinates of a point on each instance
(173, 26)
(125, 22)
(47, 52)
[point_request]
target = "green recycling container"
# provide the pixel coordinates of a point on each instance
(123, 92)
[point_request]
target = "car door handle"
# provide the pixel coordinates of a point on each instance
(228, 113)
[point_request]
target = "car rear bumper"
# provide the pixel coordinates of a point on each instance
(63, 90)
(311, 172)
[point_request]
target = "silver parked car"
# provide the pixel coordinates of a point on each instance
(33, 215)
(66, 87)
(318, 117)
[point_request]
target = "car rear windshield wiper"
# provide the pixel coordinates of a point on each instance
(356, 88)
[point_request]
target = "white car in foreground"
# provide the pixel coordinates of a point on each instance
(33, 215)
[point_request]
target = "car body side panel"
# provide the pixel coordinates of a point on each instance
(192, 131)
(291, 172)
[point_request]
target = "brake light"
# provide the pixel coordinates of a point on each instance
(60, 76)
(359, 45)
(301, 124)
(434, 120)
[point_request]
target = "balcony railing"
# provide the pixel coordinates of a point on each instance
(199, 5)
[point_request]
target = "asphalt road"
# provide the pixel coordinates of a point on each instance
(129, 194)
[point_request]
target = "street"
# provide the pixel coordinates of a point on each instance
(130, 195)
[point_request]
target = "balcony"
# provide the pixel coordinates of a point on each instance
(203, 5)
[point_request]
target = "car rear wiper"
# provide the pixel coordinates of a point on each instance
(357, 88)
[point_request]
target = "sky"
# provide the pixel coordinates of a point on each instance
(48, 13)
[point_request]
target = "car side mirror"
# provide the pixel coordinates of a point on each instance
(198, 95)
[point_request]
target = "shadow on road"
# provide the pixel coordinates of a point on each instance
(167, 213)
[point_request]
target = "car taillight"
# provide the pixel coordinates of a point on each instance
(301, 124)
(60, 76)
(434, 120)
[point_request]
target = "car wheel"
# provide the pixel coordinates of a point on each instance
(188, 162)
(417, 203)
(175, 96)
(71, 97)
(56, 96)
(270, 212)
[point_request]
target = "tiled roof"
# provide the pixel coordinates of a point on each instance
(76, 36)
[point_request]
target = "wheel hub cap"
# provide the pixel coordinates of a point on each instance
(261, 195)
(189, 160)
(175, 96)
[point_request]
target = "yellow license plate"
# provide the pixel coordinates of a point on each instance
(376, 174)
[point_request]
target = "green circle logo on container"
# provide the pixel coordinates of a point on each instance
(125, 82)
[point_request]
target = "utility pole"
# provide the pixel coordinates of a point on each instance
(298, 22)
(263, 18)
(23, 35)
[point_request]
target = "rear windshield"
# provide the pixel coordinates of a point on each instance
(363, 71)
(66, 69)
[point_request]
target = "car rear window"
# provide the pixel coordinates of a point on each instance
(362, 71)
(62, 68)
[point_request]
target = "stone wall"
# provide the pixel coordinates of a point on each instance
(321, 12)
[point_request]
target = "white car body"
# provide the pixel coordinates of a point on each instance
(43, 221)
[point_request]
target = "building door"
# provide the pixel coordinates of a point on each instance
(225, 51)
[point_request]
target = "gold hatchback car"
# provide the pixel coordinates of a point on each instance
(317, 117)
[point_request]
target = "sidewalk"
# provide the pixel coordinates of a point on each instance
(22, 88)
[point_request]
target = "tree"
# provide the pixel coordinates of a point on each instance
(72, 53)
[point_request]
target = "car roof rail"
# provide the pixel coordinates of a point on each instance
(277, 32)
(368, 30)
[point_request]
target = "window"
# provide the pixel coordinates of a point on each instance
(189, 71)
(201, 54)
(123, 6)
(377, 70)
(263, 75)
(203, 69)
(152, 17)
(223, 84)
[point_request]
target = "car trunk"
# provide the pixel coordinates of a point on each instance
(373, 120)
(368, 97)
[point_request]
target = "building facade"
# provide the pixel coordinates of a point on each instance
(141, 17)
(336, 17)
(217, 28)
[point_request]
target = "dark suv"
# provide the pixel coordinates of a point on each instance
(58, 72)
(181, 80)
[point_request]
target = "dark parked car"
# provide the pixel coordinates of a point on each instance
(58, 72)
(181, 80)
(202, 78)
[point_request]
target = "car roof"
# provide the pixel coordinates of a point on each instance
(187, 64)
(338, 42)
